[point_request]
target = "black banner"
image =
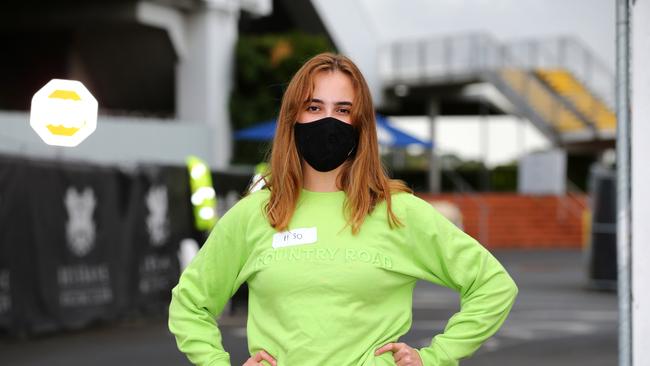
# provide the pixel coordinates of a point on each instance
(159, 218)
(78, 243)
(18, 304)
(8, 314)
(229, 188)
(81, 243)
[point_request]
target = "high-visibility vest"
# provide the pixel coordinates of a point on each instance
(204, 199)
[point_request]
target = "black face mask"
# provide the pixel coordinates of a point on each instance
(325, 143)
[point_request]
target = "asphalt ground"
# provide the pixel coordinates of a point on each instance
(557, 321)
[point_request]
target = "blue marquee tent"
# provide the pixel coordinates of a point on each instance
(263, 131)
(387, 135)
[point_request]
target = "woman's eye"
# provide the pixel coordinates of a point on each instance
(313, 108)
(344, 111)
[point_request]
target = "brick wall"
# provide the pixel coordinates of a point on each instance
(521, 221)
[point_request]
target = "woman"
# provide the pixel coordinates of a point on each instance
(331, 249)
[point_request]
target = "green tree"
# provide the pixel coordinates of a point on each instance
(264, 66)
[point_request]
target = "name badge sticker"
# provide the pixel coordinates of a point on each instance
(295, 237)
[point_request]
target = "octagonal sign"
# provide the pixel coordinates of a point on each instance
(63, 113)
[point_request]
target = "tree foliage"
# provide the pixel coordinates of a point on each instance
(264, 66)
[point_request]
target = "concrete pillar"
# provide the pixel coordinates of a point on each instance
(640, 181)
(434, 161)
(484, 141)
(521, 135)
(204, 74)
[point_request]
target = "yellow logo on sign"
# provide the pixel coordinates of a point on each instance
(64, 94)
(61, 130)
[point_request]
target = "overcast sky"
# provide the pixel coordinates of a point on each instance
(593, 21)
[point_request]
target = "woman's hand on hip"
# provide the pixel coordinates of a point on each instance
(256, 360)
(402, 353)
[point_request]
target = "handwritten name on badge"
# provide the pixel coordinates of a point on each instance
(294, 237)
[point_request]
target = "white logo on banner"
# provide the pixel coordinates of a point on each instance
(157, 223)
(80, 228)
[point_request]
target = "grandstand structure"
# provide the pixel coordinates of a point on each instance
(557, 84)
(166, 65)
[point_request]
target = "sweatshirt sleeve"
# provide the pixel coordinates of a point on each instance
(445, 255)
(203, 290)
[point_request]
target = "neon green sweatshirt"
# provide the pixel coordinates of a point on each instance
(319, 295)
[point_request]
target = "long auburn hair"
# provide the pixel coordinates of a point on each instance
(363, 178)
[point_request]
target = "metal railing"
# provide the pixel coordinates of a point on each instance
(479, 57)
(439, 58)
(466, 190)
(569, 205)
(569, 54)
(468, 54)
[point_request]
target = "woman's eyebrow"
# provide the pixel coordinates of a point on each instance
(319, 101)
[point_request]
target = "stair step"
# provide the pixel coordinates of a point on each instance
(566, 85)
(542, 100)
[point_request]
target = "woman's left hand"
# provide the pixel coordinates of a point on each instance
(402, 353)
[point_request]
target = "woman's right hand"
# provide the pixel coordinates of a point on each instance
(256, 360)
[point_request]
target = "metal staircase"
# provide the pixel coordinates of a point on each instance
(557, 84)
(594, 110)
